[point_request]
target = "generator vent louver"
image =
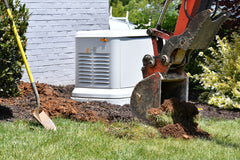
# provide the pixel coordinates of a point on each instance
(94, 70)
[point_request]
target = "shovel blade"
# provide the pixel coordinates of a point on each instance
(44, 119)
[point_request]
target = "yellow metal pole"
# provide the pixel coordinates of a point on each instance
(20, 47)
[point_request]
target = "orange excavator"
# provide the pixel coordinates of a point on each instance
(163, 72)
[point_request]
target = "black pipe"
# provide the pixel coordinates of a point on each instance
(185, 10)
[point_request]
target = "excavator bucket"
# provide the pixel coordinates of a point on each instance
(152, 90)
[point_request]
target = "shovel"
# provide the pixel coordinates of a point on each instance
(39, 114)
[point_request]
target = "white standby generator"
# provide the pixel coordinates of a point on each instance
(108, 64)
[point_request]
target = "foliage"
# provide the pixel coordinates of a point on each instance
(141, 12)
(221, 74)
(232, 24)
(124, 2)
(10, 57)
(171, 16)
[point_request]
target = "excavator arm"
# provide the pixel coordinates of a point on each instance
(163, 72)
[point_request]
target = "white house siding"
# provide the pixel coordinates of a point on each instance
(51, 34)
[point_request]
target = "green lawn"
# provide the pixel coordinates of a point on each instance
(85, 140)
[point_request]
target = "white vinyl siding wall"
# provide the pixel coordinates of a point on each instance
(51, 36)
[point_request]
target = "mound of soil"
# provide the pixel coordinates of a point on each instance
(183, 115)
(56, 101)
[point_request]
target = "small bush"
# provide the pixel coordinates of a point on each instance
(10, 58)
(221, 74)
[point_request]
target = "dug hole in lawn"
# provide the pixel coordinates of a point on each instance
(172, 118)
(176, 119)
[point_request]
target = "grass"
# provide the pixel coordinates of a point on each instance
(85, 140)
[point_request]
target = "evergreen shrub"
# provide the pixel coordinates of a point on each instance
(10, 58)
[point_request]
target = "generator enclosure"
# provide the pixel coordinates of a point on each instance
(108, 64)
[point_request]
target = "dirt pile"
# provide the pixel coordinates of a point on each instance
(180, 122)
(56, 102)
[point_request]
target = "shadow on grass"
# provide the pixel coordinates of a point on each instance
(35, 123)
(225, 143)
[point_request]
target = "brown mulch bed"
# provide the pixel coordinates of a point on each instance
(56, 101)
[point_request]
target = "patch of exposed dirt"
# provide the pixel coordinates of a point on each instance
(56, 101)
(183, 115)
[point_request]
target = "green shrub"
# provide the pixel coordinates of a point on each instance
(10, 58)
(221, 74)
(143, 11)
